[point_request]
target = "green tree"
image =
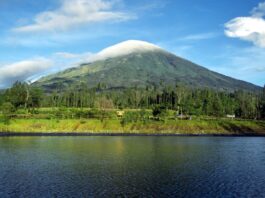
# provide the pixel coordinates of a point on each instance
(18, 95)
(36, 95)
(7, 109)
(2, 98)
(217, 107)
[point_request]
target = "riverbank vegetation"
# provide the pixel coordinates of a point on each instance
(176, 109)
(112, 126)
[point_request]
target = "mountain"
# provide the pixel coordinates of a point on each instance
(138, 63)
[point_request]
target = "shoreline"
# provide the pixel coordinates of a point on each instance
(126, 134)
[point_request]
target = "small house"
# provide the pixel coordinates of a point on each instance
(120, 113)
(231, 116)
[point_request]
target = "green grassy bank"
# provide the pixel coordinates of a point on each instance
(112, 126)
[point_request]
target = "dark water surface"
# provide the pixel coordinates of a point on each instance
(132, 167)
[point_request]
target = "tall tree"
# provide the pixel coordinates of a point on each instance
(35, 97)
(18, 94)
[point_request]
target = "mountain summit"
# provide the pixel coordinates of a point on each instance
(139, 63)
(124, 48)
(128, 47)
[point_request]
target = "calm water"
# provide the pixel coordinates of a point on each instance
(132, 167)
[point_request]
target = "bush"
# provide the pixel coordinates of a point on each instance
(93, 113)
(134, 116)
(7, 109)
(82, 121)
(159, 111)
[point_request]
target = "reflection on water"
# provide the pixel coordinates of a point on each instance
(132, 166)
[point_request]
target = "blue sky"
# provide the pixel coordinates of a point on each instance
(45, 36)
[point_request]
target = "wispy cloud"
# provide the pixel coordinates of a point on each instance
(244, 59)
(120, 49)
(67, 55)
(242, 63)
(202, 36)
(20, 71)
(73, 13)
(251, 28)
(66, 60)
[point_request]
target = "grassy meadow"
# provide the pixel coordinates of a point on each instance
(56, 120)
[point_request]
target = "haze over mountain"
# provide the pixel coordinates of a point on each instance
(139, 64)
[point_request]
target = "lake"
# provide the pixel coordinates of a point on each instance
(132, 166)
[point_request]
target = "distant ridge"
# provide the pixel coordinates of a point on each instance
(139, 63)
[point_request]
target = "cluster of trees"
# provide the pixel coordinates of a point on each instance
(179, 98)
(22, 95)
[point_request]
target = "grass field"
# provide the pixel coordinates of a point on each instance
(225, 127)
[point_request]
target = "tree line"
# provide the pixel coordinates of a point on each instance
(184, 100)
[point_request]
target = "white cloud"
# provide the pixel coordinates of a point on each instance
(250, 28)
(22, 70)
(202, 36)
(67, 55)
(66, 60)
(120, 49)
(259, 11)
(74, 13)
(123, 48)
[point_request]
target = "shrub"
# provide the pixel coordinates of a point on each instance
(159, 111)
(7, 109)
